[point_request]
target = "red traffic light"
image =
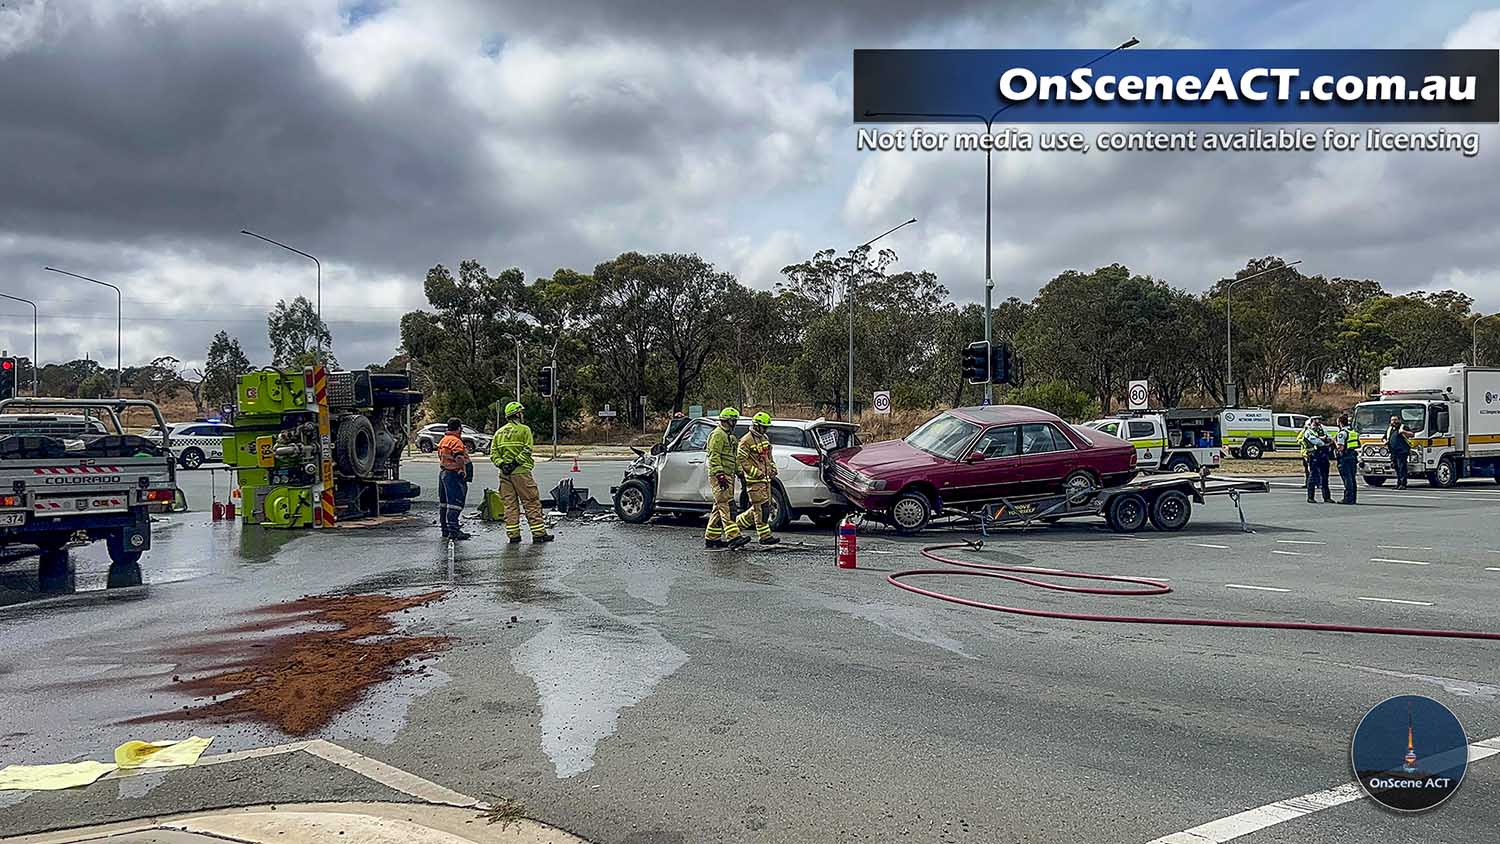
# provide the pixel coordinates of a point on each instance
(7, 365)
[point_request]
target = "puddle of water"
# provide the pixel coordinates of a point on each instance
(913, 623)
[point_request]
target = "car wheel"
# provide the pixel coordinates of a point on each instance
(191, 458)
(1251, 450)
(1171, 510)
(1126, 513)
(634, 502)
(1180, 464)
(1446, 474)
(781, 513)
(1374, 480)
(1079, 485)
(910, 512)
(426, 446)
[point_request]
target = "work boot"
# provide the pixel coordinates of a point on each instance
(713, 543)
(771, 540)
(738, 542)
(542, 537)
(515, 540)
(460, 535)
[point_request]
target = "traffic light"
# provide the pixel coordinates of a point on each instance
(977, 362)
(546, 384)
(1005, 368)
(8, 372)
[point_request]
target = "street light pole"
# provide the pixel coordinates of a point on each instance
(1229, 324)
(849, 302)
(34, 365)
(318, 336)
(989, 128)
(119, 319)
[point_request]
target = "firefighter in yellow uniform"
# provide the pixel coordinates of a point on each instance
(758, 469)
(723, 465)
(510, 451)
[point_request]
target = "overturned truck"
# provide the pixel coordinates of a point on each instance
(313, 447)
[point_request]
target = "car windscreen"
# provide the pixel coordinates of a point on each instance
(1375, 418)
(944, 436)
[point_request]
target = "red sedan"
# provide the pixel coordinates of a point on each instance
(972, 455)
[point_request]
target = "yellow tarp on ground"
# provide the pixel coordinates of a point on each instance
(160, 754)
(51, 777)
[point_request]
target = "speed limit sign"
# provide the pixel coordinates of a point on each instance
(883, 401)
(1138, 395)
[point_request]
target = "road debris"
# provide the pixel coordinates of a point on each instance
(52, 777)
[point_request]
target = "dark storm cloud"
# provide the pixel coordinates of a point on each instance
(188, 127)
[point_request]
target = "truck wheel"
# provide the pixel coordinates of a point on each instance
(191, 458)
(1126, 513)
(1180, 464)
(1377, 480)
(354, 445)
(1446, 474)
(1252, 450)
(1171, 510)
(634, 502)
(910, 512)
(119, 553)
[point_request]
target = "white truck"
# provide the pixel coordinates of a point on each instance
(78, 473)
(1249, 432)
(1172, 441)
(1453, 414)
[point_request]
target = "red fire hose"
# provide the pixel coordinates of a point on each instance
(968, 568)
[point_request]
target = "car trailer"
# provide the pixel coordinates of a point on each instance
(1166, 501)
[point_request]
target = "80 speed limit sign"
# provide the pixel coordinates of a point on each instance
(883, 401)
(1138, 395)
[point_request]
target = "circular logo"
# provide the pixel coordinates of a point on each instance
(1409, 753)
(1137, 394)
(1229, 417)
(882, 402)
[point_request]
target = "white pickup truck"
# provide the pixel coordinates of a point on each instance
(1175, 441)
(68, 468)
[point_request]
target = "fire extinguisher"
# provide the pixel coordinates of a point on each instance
(847, 544)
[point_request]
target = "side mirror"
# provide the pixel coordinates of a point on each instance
(179, 502)
(974, 457)
(658, 448)
(1440, 422)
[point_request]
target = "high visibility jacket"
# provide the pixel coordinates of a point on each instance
(453, 455)
(1351, 439)
(755, 458)
(512, 444)
(723, 458)
(1303, 446)
(1396, 441)
(1310, 441)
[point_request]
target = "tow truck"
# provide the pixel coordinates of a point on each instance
(91, 479)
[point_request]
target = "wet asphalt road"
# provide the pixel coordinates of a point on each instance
(649, 691)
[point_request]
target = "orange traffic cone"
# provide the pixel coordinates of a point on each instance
(575, 464)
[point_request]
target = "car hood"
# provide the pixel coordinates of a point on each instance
(883, 458)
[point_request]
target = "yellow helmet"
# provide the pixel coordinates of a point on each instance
(762, 418)
(729, 413)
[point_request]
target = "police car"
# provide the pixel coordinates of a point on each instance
(196, 443)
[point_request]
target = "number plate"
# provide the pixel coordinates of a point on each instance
(12, 519)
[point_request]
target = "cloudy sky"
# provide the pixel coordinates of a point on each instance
(139, 136)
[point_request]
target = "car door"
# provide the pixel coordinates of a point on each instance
(683, 474)
(989, 468)
(1286, 432)
(1149, 441)
(1046, 458)
(215, 448)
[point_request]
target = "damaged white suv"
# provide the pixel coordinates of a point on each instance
(673, 477)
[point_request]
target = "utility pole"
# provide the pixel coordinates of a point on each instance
(119, 319)
(849, 301)
(1229, 328)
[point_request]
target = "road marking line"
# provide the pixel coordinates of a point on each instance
(1207, 545)
(1288, 553)
(1404, 547)
(1492, 568)
(1403, 562)
(1258, 588)
(387, 775)
(1397, 601)
(1253, 820)
(1300, 542)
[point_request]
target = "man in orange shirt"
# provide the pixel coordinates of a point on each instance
(453, 479)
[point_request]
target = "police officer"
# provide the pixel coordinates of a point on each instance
(1347, 442)
(510, 451)
(723, 465)
(453, 479)
(757, 467)
(1317, 447)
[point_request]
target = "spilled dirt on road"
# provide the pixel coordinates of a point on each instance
(300, 679)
